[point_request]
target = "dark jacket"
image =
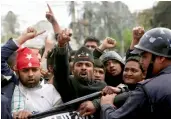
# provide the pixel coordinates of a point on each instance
(71, 87)
(8, 89)
(151, 98)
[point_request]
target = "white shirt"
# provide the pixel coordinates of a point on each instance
(40, 98)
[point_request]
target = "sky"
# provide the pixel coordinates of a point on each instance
(29, 12)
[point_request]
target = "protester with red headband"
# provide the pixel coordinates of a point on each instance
(30, 95)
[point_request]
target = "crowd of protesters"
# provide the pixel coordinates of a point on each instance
(36, 80)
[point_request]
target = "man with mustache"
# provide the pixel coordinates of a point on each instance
(82, 82)
(29, 95)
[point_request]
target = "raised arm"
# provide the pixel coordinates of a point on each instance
(107, 44)
(51, 18)
(61, 69)
(11, 46)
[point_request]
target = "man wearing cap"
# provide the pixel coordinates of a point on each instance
(82, 82)
(152, 97)
(29, 95)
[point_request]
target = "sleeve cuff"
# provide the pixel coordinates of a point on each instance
(97, 53)
(96, 103)
(15, 41)
(107, 106)
(63, 50)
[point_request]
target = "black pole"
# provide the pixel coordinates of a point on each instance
(67, 105)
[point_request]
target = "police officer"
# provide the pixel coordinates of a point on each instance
(152, 97)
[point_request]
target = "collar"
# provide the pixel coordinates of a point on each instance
(166, 70)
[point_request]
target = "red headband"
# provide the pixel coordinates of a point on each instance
(26, 59)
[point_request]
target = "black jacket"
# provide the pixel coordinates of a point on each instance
(68, 86)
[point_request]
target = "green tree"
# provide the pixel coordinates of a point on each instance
(10, 23)
(9, 26)
(162, 14)
(144, 18)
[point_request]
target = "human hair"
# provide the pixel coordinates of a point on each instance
(42, 50)
(12, 59)
(136, 59)
(92, 39)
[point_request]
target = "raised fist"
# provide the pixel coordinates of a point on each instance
(138, 32)
(28, 34)
(108, 43)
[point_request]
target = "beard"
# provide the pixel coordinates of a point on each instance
(83, 75)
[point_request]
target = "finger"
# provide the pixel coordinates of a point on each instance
(40, 32)
(50, 10)
(15, 115)
(24, 115)
(29, 29)
(67, 32)
(82, 106)
(104, 90)
(107, 91)
(111, 91)
(86, 114)
(20, 114)
(111, 41)
(32, 29)
(83, 111)
(27, 114)
(48, 14)
(70, 32)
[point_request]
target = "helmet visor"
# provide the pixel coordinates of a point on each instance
(137, 51)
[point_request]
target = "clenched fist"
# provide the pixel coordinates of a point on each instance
(107, 44)
(138, 32)
(27, 35)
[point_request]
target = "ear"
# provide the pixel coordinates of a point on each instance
(14, 68)
(50, 68)
(161, 59)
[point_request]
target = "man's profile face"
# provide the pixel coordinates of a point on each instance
(145, 60)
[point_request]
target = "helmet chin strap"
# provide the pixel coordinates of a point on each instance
(150, 67)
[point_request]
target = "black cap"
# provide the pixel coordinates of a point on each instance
(84, 54)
